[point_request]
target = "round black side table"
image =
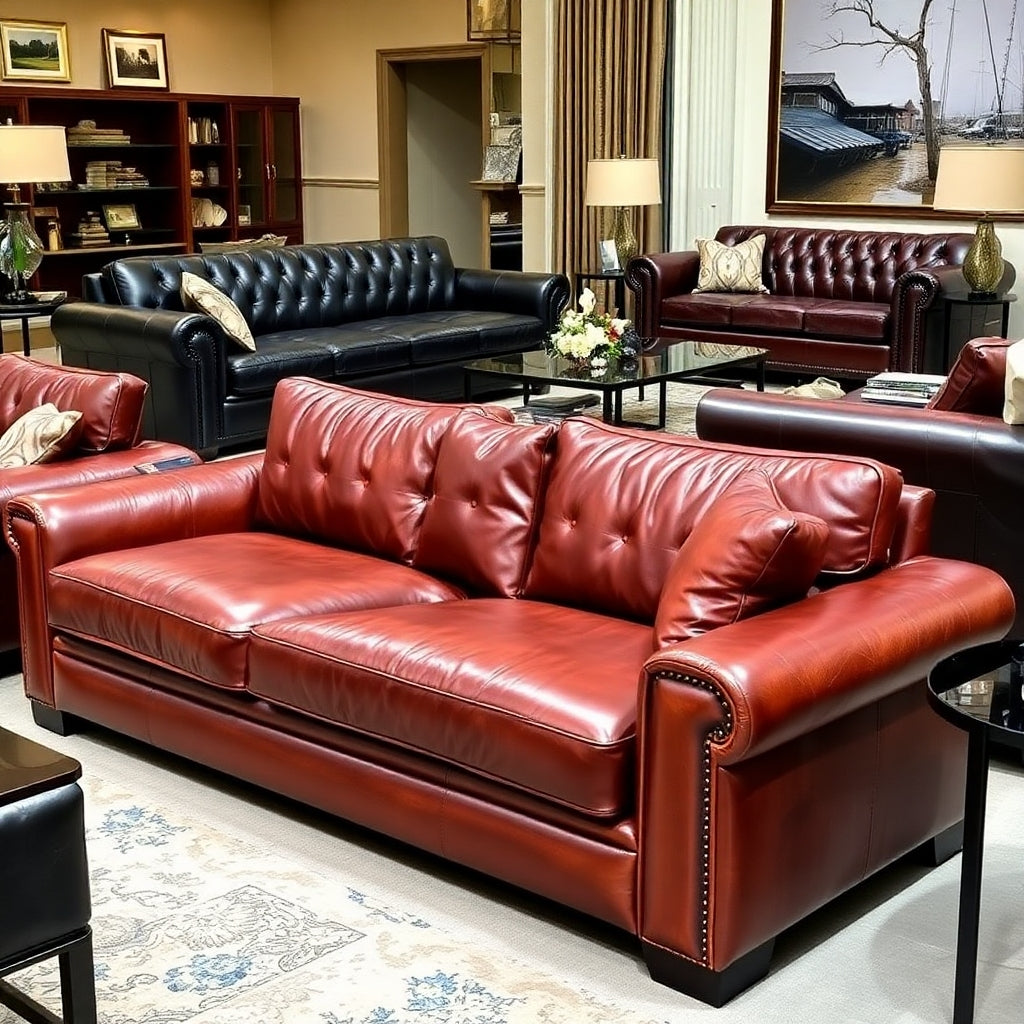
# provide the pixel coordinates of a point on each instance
(24, 311)
(978, 690)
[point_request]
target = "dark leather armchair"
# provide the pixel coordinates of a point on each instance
(848, 304)
(959, 447)
(108, 447)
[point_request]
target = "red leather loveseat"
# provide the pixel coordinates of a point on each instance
(848, 304)
(677, 686)
(107, 444)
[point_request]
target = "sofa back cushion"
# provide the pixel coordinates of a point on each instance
(300, 286)
(748, 554)
(620, 503)
(110, 403)
(480, 522)
(976, 381)
(861, 266)
(350, 467)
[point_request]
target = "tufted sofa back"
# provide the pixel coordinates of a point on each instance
(110, 403)
(859, 266)
(299, 286)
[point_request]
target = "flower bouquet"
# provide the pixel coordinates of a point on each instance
(586, 337)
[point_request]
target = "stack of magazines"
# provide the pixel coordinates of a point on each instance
(902, 388)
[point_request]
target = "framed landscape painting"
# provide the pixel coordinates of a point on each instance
(135, 60)
(35, 51)
(864, 94)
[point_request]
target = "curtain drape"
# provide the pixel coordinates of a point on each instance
(609, 95)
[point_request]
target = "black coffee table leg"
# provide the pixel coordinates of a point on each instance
(970, 877)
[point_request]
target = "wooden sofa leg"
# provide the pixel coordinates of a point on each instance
(56, 721)
(940, 848)
(715, 988)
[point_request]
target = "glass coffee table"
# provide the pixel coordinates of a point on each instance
(659, 361)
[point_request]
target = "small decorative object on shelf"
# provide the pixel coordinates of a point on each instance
(586, 337)
(90, 232)
(212, 173)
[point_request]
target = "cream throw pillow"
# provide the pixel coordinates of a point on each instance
(1013, 407)
(199, 296)
(36, 436)
(730, 268)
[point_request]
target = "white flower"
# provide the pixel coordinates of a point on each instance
(619, 326)
(587, 301)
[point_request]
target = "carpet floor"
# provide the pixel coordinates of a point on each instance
(216, 903)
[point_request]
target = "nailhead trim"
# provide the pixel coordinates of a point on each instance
(716, 735)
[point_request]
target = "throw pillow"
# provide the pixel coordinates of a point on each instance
(1013, 407)
(730, 268)
(199, 296)
(747, 554)
(43, 434)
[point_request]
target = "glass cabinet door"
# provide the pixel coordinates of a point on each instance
(284, 179)
(253, 166)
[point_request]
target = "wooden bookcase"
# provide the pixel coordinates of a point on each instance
(163, 147)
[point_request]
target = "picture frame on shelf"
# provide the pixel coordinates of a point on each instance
(135, 60)
(34, 51)
(244, 215)
(501, 163)
(121, 217)
(609, 255)
(494, 20)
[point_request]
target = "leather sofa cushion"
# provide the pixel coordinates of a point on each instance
(326, 353)
(864, 321)
(110, 403)
(481, 520)
(189, 605)
(704, 308)
(977, 380)
(349, 467)
(770, 312)
(748, 554)
(452, 681)
(614, 556)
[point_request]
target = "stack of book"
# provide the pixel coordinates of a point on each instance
(85, 133)
(106, 174)
(554, 409)
(90, 232)
(902, 388)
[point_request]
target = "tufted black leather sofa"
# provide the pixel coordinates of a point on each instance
(848, 304)
(393, 315)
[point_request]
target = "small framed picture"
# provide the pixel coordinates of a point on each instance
(35, 51)
(121, 217)
(135, 60)
(609, 254)
(244, 214)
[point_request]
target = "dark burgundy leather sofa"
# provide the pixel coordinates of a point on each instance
(958, 446)
(674, 685)
(108, 444)
(846, 304)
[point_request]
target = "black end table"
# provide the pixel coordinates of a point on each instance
(617, 277)
(966, 316)
(44, 305)
(978, 690)
(45, 904)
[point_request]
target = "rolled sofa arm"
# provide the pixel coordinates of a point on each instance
(513, 291)
(50, 528)
(912, 297)
(181, 355)
(656, 277)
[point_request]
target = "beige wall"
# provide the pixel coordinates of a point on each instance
(219, 46)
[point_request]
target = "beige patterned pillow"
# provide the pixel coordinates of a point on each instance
(41, 435)
(1013, 409)
(730, 268)
(199, 296)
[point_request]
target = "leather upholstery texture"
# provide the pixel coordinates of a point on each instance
(845, 303)
(393, 315)
(243, 616)
(976, 382)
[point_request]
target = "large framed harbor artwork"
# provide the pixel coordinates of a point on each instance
(864, 93)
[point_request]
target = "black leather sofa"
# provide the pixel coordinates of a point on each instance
(392, 315)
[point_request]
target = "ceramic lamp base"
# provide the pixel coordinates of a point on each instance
(624, 235)
(983, 264)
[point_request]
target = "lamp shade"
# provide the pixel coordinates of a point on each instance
(980, 179)
(623, 183)
(31, 153)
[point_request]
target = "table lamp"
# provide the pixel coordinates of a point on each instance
(28, 153)
(984, 180)
(623, 184)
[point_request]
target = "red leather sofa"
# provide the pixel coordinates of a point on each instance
(674, 685)
(847, 304)
(108, 443)
(959, 447)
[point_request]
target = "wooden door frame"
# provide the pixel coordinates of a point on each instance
(392, 122)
